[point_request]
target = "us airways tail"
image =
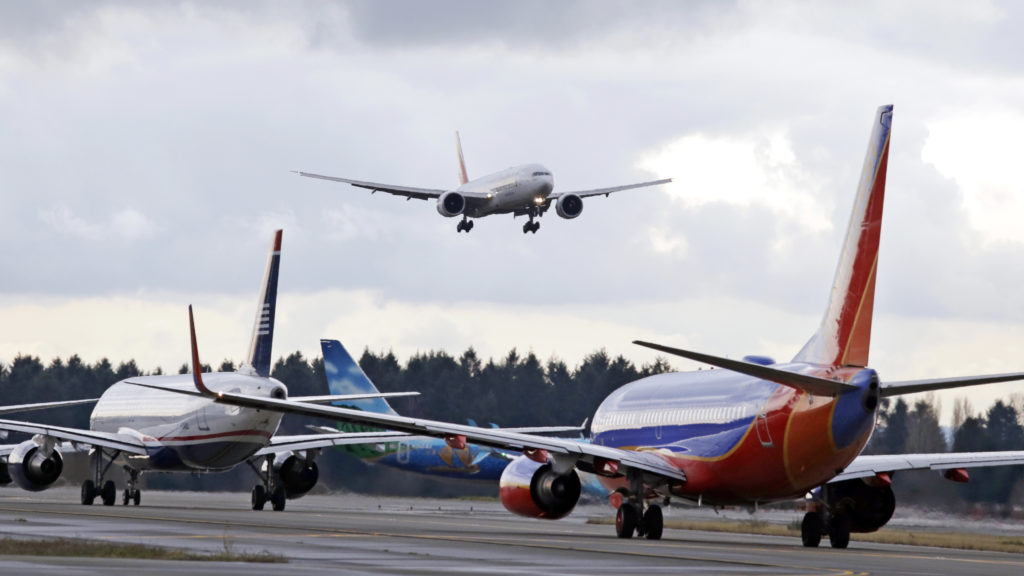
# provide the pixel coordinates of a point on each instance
(844, 337)
(344, 376)
(260, 348)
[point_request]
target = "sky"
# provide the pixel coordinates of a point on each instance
(149, 150)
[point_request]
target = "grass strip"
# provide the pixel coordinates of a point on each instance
(956, 540)
(93, 549)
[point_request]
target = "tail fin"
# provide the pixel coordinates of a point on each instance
(463, 177)
(844, 337)
(344, 376)
(263, 329)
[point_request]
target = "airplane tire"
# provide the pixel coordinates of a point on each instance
(126, 497)
(137, 497)
(278, 499)
(810, 530)
(109, 493)
(88, 492)
(654, 522)
(626, 520)
(839, 531)
(259, 497)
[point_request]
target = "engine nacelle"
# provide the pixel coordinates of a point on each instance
(569, 206)
(869, 507)
(298, 475)
(451, 204)
(32, 469)
(532, 489)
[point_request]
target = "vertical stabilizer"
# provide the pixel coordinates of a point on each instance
(463, 177)
(344, 376)
(263, 329)
(844, 337)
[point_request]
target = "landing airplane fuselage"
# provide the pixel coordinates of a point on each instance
(188, 433)
(510, 190)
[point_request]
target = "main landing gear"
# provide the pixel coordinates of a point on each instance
(268, 490)
(465, 225)
(817, 523)
(632, 518)
(100, 462)
(531, 226)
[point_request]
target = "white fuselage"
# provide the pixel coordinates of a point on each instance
(189, 433)
(510, 190)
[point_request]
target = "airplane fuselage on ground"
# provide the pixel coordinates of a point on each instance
(188, 433)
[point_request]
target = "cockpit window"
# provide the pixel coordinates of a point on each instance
(542, 173)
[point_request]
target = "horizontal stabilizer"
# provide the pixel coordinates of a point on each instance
(915, 386)
(809, 384)
(350, 397)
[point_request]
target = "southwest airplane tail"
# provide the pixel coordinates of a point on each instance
(844, 337)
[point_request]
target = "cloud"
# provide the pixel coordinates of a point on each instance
(980, 151)
(127, 224)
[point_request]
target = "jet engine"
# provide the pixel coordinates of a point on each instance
(298, 475)
(869, 506)
(451, 204)
(535, 490)
(569, 206)
(32, 468)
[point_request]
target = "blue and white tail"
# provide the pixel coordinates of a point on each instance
(344, 376)
(260, 348)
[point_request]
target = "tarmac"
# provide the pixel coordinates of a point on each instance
(356, 534)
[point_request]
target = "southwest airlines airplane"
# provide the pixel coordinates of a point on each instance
(752, 432)
(521, 191)
(144, 429)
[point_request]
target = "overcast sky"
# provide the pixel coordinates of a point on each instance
(147, 153)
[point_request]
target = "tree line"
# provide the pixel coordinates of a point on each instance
(522, 390)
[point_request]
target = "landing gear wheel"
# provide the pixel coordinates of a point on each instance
(465, 225)
(531, 226)
(654, 522)
(109, 493)
(259, 497)
(125, 497)
(88, 492)
(839, 531)
(626, 520)
(810, 530)
(469, 226)
(137, 497)
(278, 498)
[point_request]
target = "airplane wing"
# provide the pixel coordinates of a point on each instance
(349, 397)
(122, 442)
(311, 441)
(406, 191)
(871, 465)
(591, 455)
(42, 405)
(609, 190)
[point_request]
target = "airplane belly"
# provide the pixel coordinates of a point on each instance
(222, 455)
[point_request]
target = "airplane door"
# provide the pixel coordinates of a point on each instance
(763, 434)
(403, 452)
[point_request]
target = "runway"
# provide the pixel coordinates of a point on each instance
(355, 534)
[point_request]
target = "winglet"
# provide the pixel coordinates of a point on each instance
(197, 369)
(463, 176)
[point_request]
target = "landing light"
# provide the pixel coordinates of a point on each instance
(538, 199)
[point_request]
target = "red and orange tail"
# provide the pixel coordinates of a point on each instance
(844, 337)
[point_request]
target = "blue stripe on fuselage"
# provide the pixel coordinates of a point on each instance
(700, 414)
